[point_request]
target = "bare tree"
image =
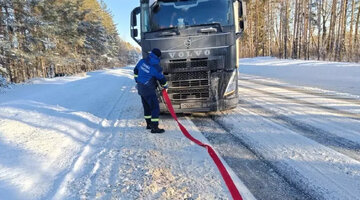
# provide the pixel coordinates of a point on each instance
(356, 36)
(351, 31)
(331, 37)
(322, 29)
(319, 13)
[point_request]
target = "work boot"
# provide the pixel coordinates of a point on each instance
(148, 124)
(155, 128)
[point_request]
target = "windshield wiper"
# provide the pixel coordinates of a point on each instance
(210, 24)
(208, 30)
(175, 28)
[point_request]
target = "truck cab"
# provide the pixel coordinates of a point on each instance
(199, 44)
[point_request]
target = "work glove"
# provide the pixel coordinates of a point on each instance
(165, 86)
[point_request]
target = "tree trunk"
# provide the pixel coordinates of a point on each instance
(251, 31)
(309, 31)
(356, 36)
(281, 29)
(256, 28)
(1, 21)
(331, 38)
(296, 31)
(269, 27)
(350, 56)
(341, 31)
(319, 13)
(306, 27)
(286, 29)
(338, 36)
(324, 29)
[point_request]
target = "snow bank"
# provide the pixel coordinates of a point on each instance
(338, 76)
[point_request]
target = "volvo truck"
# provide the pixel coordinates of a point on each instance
(199, 44)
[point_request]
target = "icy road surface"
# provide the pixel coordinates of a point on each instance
(286, 140)
(84, 138)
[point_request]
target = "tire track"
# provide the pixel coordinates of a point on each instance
(97, 167)
(294, 168)
(103, 158)
(116, 156)
(60, 189)
(258, 174)
(225, 142)
(100, 179)
(304, 91)
(343, 113)
(326, 138)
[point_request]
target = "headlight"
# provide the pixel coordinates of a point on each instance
(231, 87)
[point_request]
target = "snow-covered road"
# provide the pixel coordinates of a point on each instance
(314, 148)
(84, 138)
(306, 140)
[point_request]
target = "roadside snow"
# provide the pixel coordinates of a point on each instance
(84, 138)
(303, 118)
(335, 76)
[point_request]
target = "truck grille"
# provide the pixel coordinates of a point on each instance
(189, 79)
(194, 83)
(199, 63)
(189, 85)
(197, 94)
(189, 76)
(196, 64)
(178, 64)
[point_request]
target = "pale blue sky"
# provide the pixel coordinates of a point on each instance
(121, 10)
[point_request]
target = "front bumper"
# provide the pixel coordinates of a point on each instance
(201, 106)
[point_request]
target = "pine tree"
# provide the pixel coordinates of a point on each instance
(44, 38)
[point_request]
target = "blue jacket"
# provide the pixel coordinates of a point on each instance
(146, 72)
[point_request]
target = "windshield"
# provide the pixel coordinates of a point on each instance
(165, 15)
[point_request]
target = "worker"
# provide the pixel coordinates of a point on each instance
(147, 73)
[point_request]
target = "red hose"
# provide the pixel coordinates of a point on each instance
(224, 173)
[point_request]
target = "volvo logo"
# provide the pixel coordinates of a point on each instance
(189, 54)
(187, 43)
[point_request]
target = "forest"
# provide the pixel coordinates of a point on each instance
(303, 29)
(48, 38)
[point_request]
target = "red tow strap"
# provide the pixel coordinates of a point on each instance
(225, 174)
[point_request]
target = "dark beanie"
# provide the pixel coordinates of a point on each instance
(157, 52)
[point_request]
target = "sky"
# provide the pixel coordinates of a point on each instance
(121, 10)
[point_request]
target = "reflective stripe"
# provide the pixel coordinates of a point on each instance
(135, 75)
(166, 84)
(155, 120)
(147, 117)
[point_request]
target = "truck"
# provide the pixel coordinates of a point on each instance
(199, 40)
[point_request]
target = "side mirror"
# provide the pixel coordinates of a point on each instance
(241, 17)
(133, 24)
(133, 20)
(134, 33)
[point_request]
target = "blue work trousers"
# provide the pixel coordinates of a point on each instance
(151, 108)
